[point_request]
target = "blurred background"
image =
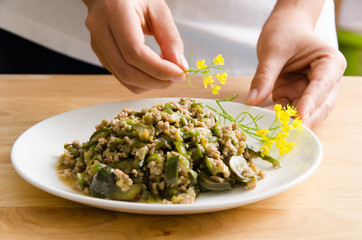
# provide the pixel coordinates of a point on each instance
(20, 56)
(349, 32)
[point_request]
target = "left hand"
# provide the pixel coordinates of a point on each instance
(298, 68)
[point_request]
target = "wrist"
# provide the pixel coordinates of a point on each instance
(304, 12)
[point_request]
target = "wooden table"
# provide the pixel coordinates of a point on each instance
(328, 205)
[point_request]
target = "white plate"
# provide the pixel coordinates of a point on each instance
(36, 151)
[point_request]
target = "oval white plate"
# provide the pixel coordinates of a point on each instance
(36, 151)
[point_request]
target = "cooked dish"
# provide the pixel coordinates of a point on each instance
(168, 153)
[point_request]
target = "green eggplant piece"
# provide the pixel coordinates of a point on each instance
(103, 184)
(206, 183)
(172, 169)
(101, 133)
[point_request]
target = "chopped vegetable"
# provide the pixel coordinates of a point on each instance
(169, 153)
(172, 169)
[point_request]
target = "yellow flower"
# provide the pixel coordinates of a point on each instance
(208, 80)
(277, 109)
(284, 117)
(280, 143)
(286, 148)
(286, 128)
(262, 133)
(218, 60)
(281, 151)
(222, 77)
(289, 146)
(291, 111)
(280, 139)
(201, 64)
(264, 151)
(297, 123)
(215, 89)
(268, 143)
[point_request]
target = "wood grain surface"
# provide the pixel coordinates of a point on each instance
(328, 205)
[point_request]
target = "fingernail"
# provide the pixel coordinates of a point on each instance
(183, 62)
(251, 96)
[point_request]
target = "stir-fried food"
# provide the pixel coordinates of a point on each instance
(168, 153)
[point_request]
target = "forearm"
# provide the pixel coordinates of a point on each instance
(306, 11)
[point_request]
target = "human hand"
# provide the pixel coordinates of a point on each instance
(117, 29)
(297, 67)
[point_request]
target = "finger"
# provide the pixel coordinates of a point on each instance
(134, 89)
(166, 34)
(324, 75)
(283, 101)
(264, 79)
(128, 35)
(100, 56)
(324, 109)
(291, 87)
(127, 74)
(104, 62)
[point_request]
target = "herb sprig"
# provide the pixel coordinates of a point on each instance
(208, 72)
(275, 134)
(286, 118)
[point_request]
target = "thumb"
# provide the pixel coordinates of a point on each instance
(167, 35)
(262, 85)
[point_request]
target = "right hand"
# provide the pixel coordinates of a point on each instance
(117, 29)
(295, 66)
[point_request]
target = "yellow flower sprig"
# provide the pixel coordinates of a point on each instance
(285, 123)
(286, 120)
(207, 71)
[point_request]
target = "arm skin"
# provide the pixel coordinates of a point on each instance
(295, 66)
(117, 29)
